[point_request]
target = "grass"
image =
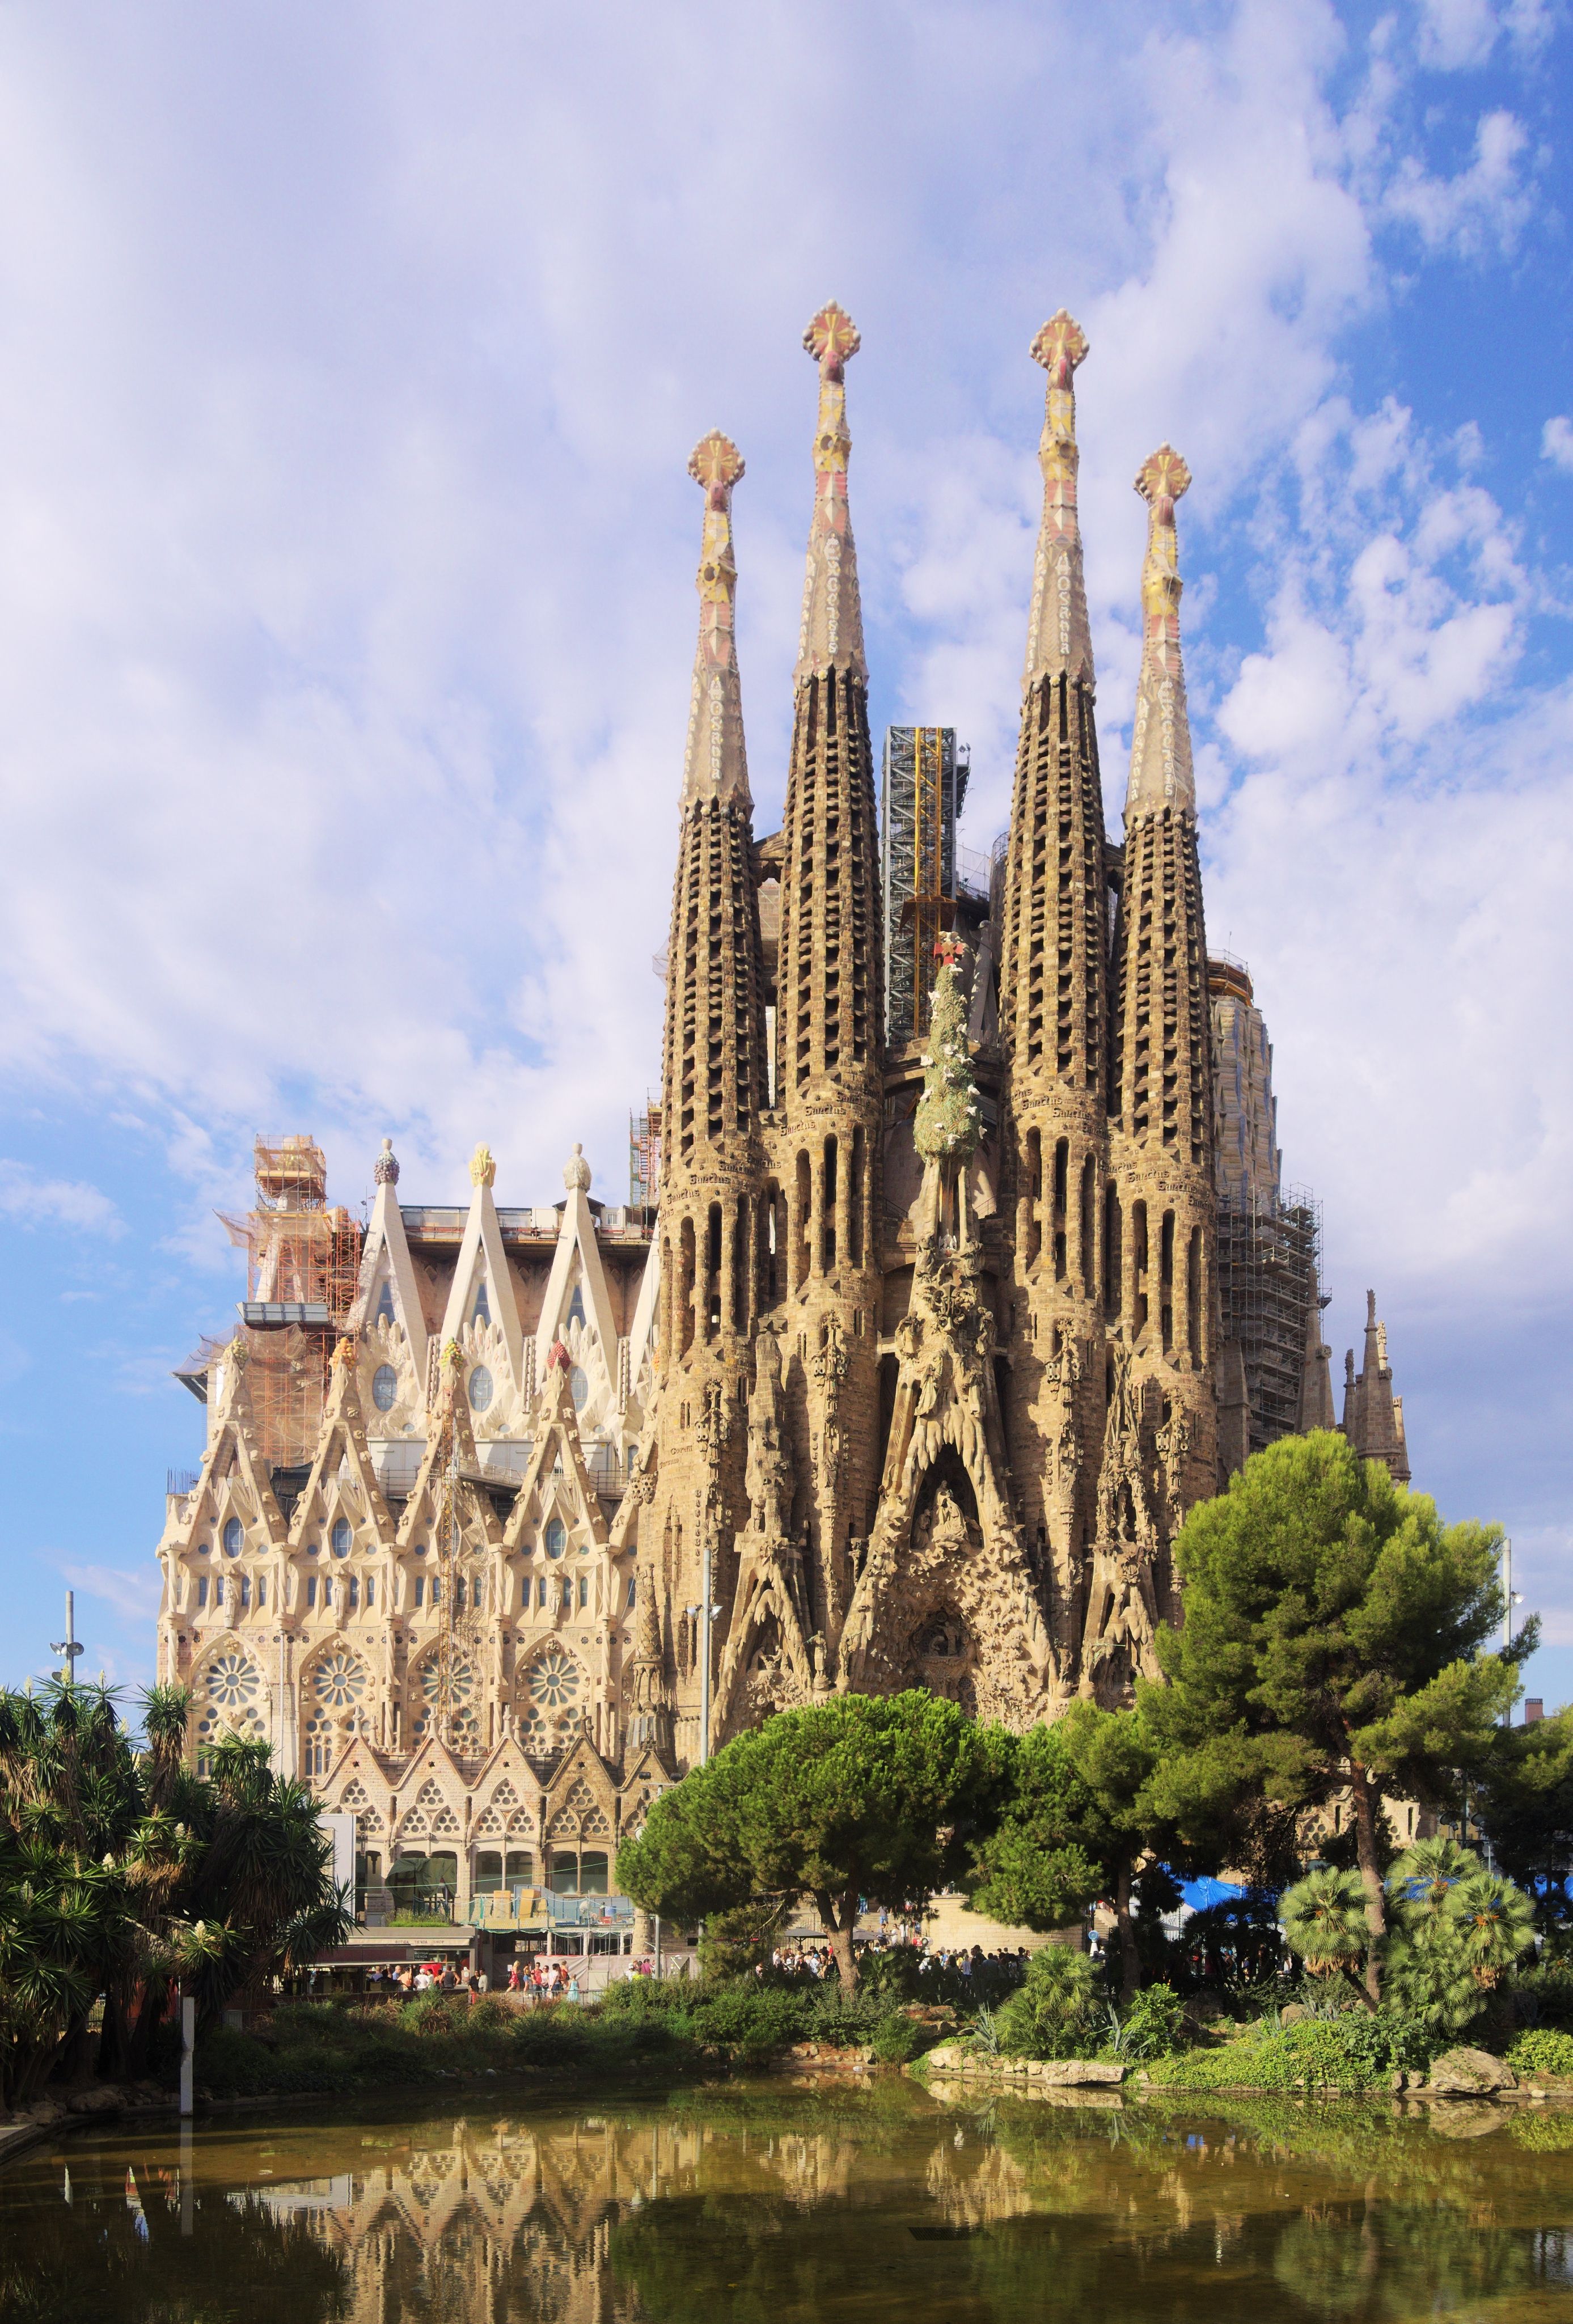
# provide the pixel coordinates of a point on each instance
(1350, 2054)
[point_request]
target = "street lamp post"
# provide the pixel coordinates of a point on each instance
(1510, 1599)
(70, 1646)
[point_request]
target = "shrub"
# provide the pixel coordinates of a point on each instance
(898, 2039)
(1356, 2051)
(1543, 2052)
(1053, 2014)
(1153, 2025)
(1324, 1921)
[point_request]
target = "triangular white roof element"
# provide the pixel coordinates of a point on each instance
(481, 1254)
(576, 1234)
(386, 1234)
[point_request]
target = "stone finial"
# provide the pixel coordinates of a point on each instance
(1161, 765)
(576, 1174)
(832, 338)
(483, 1168)
(830, 635)
(1060, 346)
(715, 760)
(558, 1359)
(385, 1169)
(715, 463)
(1161, 479)
(1059, 633)
(345, 1352)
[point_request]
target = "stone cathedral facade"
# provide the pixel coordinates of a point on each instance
(919, 1354)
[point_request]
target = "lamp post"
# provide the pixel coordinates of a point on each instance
(70, 1646)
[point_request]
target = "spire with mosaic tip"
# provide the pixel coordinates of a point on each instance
(1059, 635)
(1160, 767)
(716, 762)
(831, 633)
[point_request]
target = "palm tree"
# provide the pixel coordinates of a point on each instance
(1324, 1921)
(1493, 1922)
(1421, 1878)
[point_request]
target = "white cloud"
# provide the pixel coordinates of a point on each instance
(1479, 208)
(134, 1595)
(29, 1199)
(1557, 443)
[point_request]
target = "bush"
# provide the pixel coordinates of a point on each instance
(1543, 2052)
(897, 2040)
(1053, 2012)
(1357, 2050)
(1153, 2025)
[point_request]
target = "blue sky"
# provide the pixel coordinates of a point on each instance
(349, 364)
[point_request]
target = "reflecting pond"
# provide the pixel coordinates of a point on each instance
(779, 2200)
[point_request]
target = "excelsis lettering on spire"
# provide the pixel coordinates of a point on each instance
(715, 763)
(1160, 767)
(831, 636)
(1059, 636)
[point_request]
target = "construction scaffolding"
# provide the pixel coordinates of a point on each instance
(924, 786)
(1269, 1286)
(644, 1157)
(302, 1280)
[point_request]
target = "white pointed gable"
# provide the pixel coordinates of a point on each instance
(481, 1259)
(577, 1263)
(386, 1260)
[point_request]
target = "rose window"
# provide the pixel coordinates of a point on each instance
(463, 1726)
(554, 1679)
(232, 1681)
(340, 1678)
(231, 1690)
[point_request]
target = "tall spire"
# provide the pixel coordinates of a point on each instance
(831, 636)
(1059, 637)
(1160, 767)
(714, 1075)
(1052, 969)
(715, 763)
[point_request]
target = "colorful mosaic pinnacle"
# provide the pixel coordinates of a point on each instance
(1059, 633)
(716, 763)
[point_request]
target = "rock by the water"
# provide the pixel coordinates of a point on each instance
(1466, 2074)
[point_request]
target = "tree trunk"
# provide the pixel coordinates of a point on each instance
(841, 1930)
(1130, 1967)
(1366, 1804)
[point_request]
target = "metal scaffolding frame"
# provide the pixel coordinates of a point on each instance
(1269, 1282)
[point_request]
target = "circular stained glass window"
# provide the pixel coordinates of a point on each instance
(384, 1388)
(232, 1681)
(556, 1537)
(461, 1685)
(554, 1679)
(234, 1537)
(340, 1678)
(480, 1389)
(342, 1537)
(578, 1388)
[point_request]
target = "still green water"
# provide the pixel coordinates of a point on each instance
(781, 2200)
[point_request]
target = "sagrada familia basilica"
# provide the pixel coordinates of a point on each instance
(911, 1374)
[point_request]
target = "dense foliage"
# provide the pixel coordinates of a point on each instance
(123, 1874)
(859, 1800)
(1333, 1641)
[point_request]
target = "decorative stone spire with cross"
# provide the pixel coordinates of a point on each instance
(716, 762)
(831, 636)
(1160, 767)
(1059, 636)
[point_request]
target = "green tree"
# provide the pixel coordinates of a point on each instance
(1077, 1818)
(1525, 1801)
(1332, 1640)
(859, 1799)
(122, 1873)
(1053, 2012)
